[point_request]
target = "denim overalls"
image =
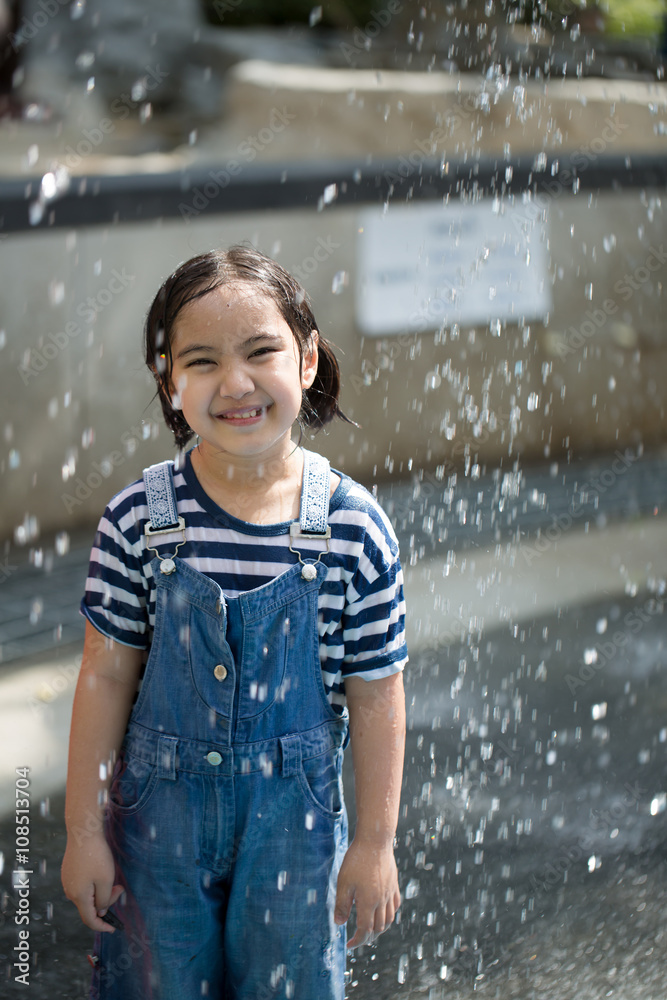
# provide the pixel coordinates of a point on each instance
(226, 816)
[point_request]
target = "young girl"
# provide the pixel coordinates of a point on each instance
(207, 835)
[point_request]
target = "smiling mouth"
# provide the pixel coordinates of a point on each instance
(242, 414)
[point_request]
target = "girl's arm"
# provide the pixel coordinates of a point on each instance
(368, 874)
(102, 703)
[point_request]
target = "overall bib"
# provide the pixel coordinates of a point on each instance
(226, 816)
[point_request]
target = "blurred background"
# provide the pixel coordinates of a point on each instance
(472, 193)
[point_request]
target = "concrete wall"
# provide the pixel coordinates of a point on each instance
(78, 418)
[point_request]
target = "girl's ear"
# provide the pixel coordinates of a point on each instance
(310, 361)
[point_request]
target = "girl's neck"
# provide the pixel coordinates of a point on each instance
(261, 491)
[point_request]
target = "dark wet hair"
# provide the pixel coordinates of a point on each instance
(208, 271)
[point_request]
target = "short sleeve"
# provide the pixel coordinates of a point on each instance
(116, 594)
(374, 614)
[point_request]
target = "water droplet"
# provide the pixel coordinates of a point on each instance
(533, 401)
(340, 281)
(609, 242)
(330, 193)
(14, 459)
(85, 60)
(575, 32)
(56, 292)
(589, 291)
(658, 804)
(139, 90)
(611, 383)
(315, 16)
(403, 968)
(412, 889)
(594, 862)
(590, 655)
(601, 626)
(551, 757)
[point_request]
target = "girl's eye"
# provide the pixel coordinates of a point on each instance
(198, 361)
(263, 351)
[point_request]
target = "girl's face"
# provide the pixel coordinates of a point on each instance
(236, 372)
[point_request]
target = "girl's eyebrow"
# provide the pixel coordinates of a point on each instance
(212, 349)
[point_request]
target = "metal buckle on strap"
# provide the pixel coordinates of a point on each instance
(179, 525)
(308, 572)
(167, 564)
(296, 532)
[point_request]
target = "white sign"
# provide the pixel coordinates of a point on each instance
(428, 265)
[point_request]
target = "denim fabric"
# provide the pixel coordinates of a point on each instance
(226, 815)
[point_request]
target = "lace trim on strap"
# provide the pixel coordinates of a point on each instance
(314, 494)
(161, 495)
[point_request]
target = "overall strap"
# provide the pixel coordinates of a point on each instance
(161, 498)
(314, 494)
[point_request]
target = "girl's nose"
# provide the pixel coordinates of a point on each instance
(235, 381)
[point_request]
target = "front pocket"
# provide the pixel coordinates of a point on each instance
(132, 784)
(322, 783)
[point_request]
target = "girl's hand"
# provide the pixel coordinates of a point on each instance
(368, 877)
(88, 880)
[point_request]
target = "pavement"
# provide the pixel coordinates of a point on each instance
(531, 839)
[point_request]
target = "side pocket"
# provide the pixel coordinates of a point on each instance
(132, 784)
(322, 782)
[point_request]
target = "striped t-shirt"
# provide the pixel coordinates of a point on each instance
(361, 611)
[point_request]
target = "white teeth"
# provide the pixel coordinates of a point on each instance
(243, 416)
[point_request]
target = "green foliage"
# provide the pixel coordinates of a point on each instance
(634, 17)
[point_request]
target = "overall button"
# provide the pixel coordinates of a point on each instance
(214, 757)
(220, 672)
